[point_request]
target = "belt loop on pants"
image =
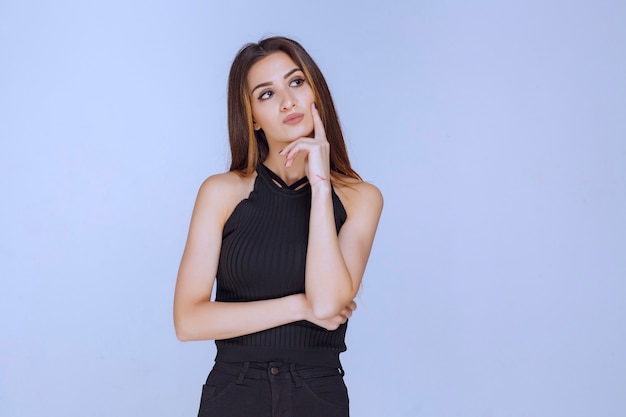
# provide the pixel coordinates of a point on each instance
(295, 375)
(242, 374)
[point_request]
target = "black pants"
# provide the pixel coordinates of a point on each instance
(273, 389)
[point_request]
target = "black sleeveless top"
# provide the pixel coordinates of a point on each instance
(264, 245)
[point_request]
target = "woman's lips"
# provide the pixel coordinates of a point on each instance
(293, 119)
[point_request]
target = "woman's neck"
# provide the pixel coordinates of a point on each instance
(290, 175)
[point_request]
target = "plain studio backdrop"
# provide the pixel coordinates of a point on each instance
(495, 129)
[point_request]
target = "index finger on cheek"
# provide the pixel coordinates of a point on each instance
(317, 119)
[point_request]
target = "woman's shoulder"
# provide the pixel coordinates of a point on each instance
(358, 194)
(226, 189)
(225, 181)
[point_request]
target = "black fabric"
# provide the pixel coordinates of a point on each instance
(264, 245)
(273, 390)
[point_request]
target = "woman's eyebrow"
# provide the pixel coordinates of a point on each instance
(268, 83)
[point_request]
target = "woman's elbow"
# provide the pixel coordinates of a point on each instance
(183, 326)
(182, 333)
(325, 310)
(326, 307)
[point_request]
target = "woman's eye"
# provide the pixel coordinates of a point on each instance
(265, 95)
(297, 82)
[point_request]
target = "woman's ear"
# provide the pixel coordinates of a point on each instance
(255, 125)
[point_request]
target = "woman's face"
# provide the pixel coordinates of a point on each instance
(281, 99)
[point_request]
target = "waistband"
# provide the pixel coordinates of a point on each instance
(275, 370)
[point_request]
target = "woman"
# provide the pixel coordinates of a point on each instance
(287, 233)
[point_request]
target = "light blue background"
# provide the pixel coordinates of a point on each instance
(495, 129)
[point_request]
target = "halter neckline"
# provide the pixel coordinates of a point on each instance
(279, 183)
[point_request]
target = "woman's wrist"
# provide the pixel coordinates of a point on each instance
(320, 185)
(299, 307)
(317, 179)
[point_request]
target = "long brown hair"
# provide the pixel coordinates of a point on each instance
(249, 147)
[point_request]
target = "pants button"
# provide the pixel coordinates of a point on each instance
(274, 370)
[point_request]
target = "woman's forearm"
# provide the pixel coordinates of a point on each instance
(213, 320)
(329, 286)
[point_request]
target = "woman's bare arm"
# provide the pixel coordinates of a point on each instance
(196, 317)
(336, 263)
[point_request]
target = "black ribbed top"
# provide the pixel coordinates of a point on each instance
(263, 256)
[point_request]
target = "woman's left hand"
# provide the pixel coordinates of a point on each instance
(316, 151)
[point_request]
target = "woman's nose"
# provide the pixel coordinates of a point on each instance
(288, 102)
